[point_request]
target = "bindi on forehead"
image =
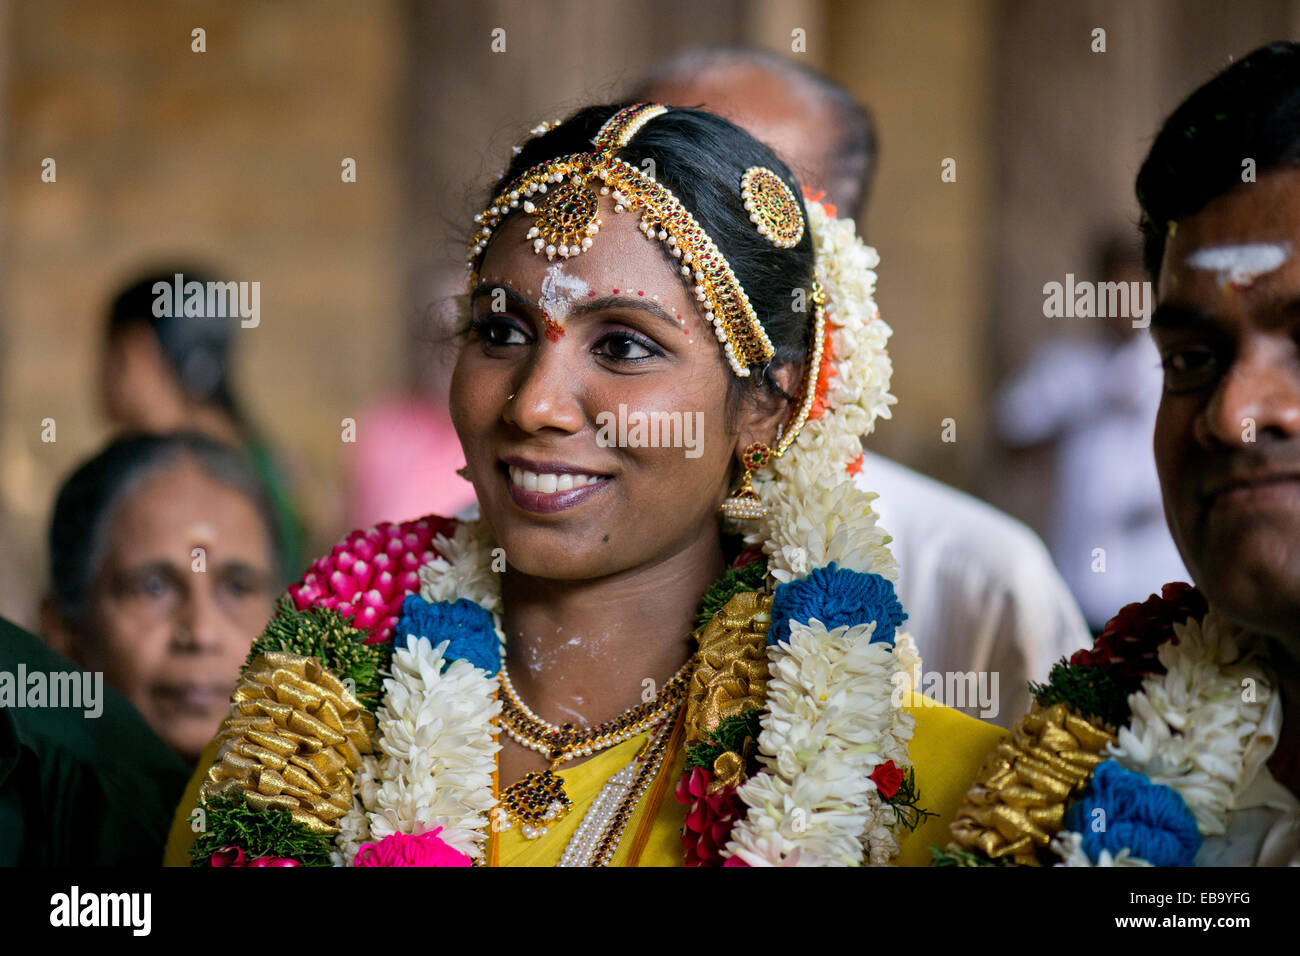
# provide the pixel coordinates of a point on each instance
(201, 532)
(560, 291)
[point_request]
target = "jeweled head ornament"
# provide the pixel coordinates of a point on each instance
(563, 196)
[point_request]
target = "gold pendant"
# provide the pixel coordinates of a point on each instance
(535, 801)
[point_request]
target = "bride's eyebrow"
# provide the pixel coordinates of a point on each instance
(584, 307)
(512, 295)
(626, 302)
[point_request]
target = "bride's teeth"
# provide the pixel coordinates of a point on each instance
(549, 483)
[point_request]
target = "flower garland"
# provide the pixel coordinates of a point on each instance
(1182, 696)
(832, 657)
(819, 774)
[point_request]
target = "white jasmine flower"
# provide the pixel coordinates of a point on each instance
(1069, 847)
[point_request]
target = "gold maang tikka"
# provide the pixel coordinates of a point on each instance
(563, 197)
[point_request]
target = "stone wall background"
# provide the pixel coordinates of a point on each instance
(233, 156)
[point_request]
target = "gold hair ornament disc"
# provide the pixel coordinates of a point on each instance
(772, 207)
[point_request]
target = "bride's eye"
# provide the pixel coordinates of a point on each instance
(627, 347)
(497, 330)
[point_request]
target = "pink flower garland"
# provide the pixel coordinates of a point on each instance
(368, 574)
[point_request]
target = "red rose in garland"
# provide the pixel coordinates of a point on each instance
(1127, 646)
(887, 779)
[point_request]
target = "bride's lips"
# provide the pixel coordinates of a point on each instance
(546, 487)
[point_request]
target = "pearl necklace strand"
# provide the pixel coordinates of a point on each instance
(602, 826)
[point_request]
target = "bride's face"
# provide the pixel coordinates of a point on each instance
(573, 372)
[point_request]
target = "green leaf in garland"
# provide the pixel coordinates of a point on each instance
(731, 734)
(230, 821)
(906, 802)
(322, 633)
(747, 577)
(955, 857)
(1089, 690)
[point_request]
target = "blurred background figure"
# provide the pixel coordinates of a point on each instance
(405, 461)
(1091, 403)
(801, 114)
(978, 586)
(163, 568)
(174, 372)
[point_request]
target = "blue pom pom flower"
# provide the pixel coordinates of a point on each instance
(837, 597)
(467, 625)
(1148, 819)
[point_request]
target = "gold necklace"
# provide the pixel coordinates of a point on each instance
(540, 798)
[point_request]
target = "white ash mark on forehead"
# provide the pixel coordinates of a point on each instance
(1240, 264)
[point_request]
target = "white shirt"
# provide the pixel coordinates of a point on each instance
(1099, 403)
(978, 586)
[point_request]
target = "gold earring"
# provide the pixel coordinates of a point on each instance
(743, 503)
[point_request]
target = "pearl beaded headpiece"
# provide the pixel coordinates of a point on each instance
(563, 198)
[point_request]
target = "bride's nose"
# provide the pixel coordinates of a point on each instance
(548, 394)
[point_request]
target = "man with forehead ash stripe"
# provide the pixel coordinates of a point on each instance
(1183, 719)
(1220, 193)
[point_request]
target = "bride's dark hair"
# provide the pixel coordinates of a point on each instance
(701, 158)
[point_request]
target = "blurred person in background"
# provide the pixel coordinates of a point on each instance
(979, 586)
(1093, 402)
(173, 372)
(405, 461)
(163, 568)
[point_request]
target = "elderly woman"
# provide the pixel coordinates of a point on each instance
(163, 568)
(673, 636)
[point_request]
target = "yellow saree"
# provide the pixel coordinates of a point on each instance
(946, 750)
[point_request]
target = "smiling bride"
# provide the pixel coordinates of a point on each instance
(638, 655)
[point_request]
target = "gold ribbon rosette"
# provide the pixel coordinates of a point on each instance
(294, 739)
(1019, 797)
(731, 676)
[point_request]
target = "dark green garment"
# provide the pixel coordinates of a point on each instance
(288, 525)
(79, 791)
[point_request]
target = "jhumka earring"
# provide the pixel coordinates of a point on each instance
(744, 502)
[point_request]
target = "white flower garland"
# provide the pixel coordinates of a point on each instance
(435, 729)
(1192, 726)
(830, 723)
(831, 718)
(439, 755)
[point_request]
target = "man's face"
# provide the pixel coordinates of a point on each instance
(799, 128)
(1227, 437)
